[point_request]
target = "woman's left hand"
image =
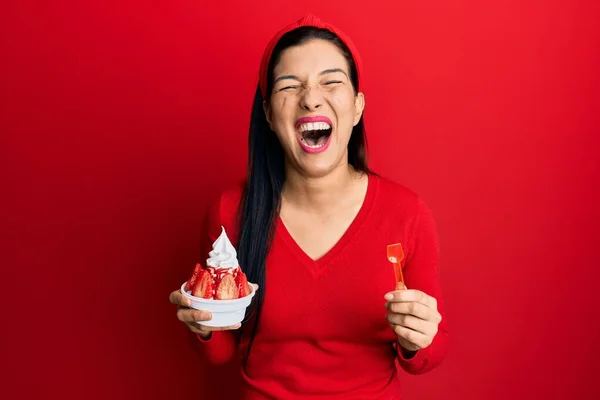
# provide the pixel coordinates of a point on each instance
(413, 317)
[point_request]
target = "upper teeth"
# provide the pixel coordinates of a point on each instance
(314, 126)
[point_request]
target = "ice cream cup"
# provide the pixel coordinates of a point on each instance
(224, 312)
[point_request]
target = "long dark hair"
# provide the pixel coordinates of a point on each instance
(261, 200)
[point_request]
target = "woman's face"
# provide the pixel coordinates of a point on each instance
(313, 107)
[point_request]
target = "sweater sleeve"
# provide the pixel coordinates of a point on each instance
(221, 346)
(218, 349)
(421, 273)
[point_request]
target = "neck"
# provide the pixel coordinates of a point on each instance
(319, 193)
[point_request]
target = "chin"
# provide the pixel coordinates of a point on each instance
(317, 169)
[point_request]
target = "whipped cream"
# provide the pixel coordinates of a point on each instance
(223, 254)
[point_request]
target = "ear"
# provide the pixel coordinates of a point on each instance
(359, 107)
(267, 111)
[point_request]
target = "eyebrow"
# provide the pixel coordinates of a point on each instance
(334, 70)
(325, 72)
(284, 77)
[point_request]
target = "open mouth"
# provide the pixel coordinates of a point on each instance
(314, 135)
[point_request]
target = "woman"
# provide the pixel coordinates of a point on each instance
(312, 224)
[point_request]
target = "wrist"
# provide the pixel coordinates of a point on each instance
(204, 337)
(406, 353)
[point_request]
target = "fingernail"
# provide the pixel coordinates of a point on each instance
(389, 296)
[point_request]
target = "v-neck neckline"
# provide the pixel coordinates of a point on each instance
(354, 226)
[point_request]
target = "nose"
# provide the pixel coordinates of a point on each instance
(311, 100)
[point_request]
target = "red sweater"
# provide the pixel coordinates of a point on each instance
(323, 332)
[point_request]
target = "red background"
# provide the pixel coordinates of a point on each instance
(117, 119)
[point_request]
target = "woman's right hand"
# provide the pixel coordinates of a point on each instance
(190, 316)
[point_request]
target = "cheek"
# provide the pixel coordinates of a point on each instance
(281, 113)
(343, 104)
(281, 109)
(345, 116)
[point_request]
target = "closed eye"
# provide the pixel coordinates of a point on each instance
(288, 88)
(332, 82)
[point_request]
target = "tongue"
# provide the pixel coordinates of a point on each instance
(316, 139)
(312, 141)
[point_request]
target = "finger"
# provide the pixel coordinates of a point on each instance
(194, 327)
(411, 322)
(416, 338)
(255, 286)
(206, 329)
(190, 315)
(412, 308)
(176, 297)
(411, 295)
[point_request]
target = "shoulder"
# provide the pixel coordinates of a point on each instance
(226, 201)
(402, 207)
(397, 196)
(223, 206)
(231, 197)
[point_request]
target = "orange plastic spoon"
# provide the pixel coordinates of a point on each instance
(395, 255)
